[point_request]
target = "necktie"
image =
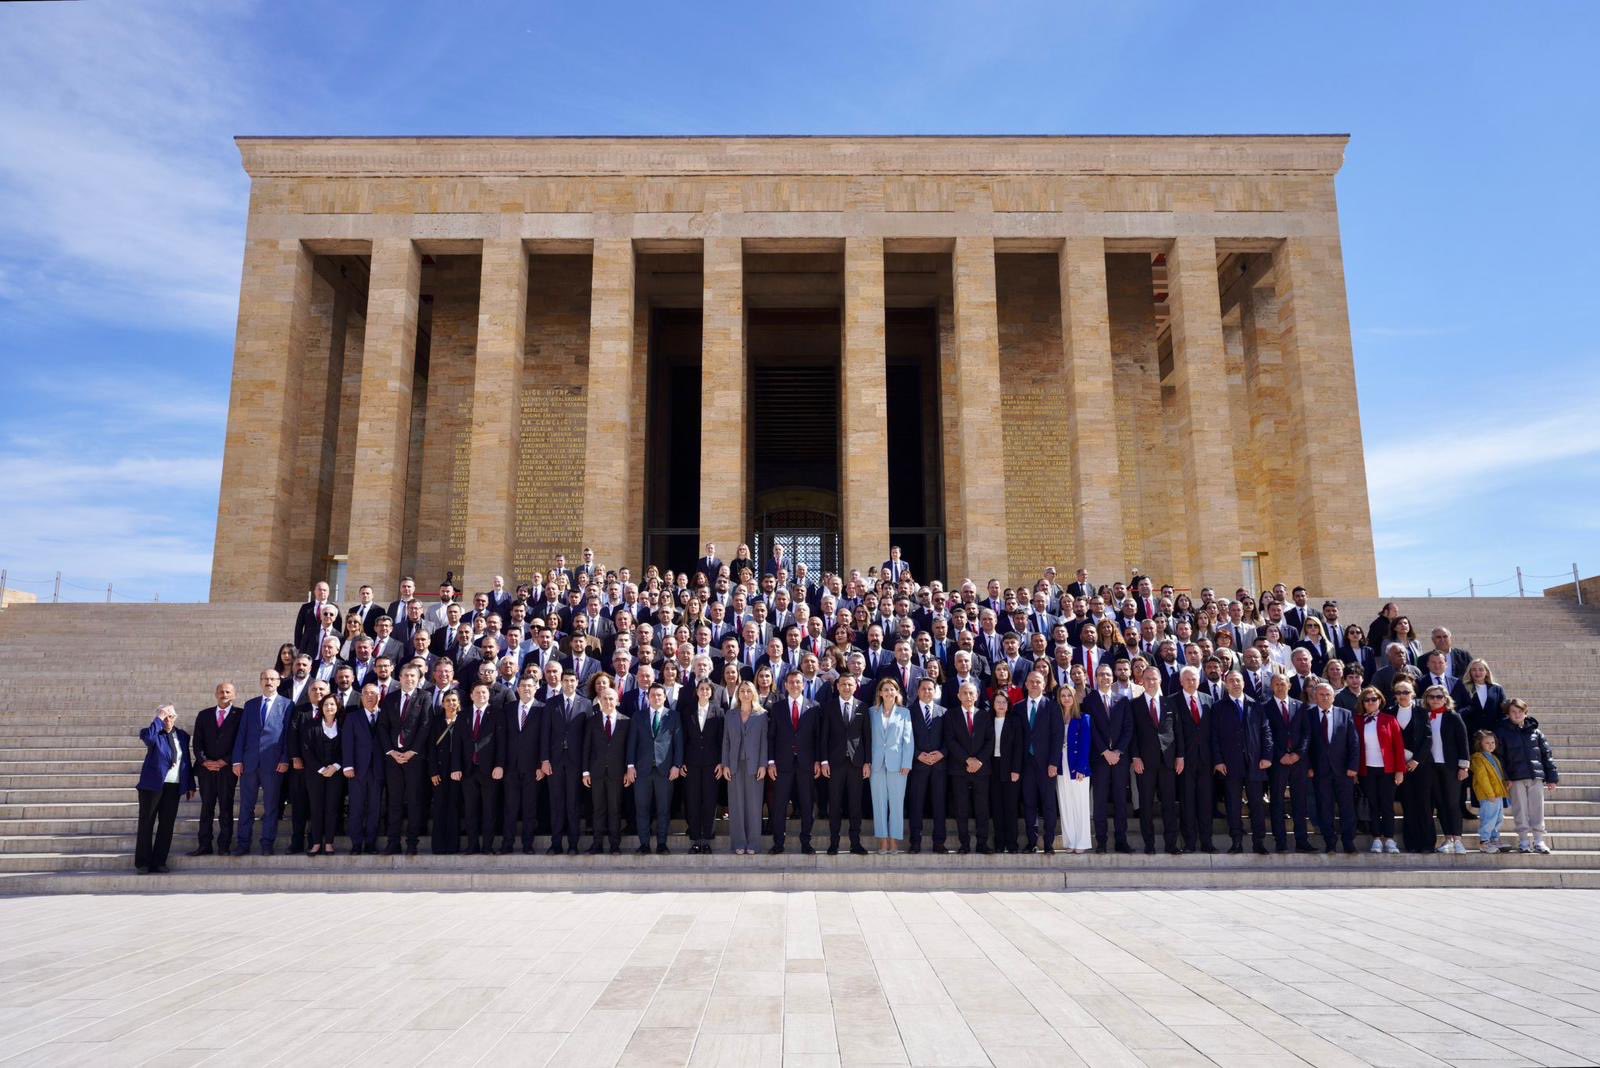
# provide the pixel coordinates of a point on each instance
(655, 722)
(522, 716)
(608, 725)
(221, 715)
(1155, 715)
(1033, 709)
(794, 714)
(477, 722)
(927, 716)
(1284, 705)
(969, 721)
(400, 739)
(1194, 710)
(372, 720)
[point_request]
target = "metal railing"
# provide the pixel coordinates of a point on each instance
(55, 584)
(1473, 586)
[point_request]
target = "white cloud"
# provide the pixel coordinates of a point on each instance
(120, 190)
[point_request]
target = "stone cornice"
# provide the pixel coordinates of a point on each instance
(1317, 154)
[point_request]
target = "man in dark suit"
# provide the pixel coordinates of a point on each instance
(215, 729)
(583, 665)
(605, 765)
(655, 757)
(366, 611)
(566, 728)
(1291, 741)
(928, 779)
(1241, 751)
(402, 736)
(1110, 747)
(1041, 763)
(1335, 758)
(895, 565)
(1191, 712)
(400, 607)
(969, 749)
(312, 620)
(1456, 660)
(708, 565)
(793, 748)
(1155, 762)
(1079, 586)
(361, 744)
(846, 745)
(524, 729)
(481, 755)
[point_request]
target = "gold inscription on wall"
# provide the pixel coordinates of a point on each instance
(549, 476)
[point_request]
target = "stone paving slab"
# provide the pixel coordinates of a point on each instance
(1240, 977)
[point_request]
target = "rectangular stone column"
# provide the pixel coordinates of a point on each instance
(1205, 440)
(1274, 459)
(983, 490)
(1330, 503)
(496, 414)
(383, 437)
(251, 557)
(1091, 407)
(724, 427)
(607, 503)
(864, 408)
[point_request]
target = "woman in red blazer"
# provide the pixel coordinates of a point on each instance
(1382, 765)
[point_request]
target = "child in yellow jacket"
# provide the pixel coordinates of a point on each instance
(1489, 787)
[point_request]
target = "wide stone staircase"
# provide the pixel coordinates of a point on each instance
(78, 681)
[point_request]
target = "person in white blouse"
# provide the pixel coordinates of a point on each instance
(322, 751)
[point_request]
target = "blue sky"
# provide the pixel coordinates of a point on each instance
(1466, 202)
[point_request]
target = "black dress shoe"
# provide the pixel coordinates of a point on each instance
(266, 851)
(1175, 851)
(858, 850)
(984, 851)
(915, 849)
(1124, 847)
(392, 850)
(616, 850)
(1100, 847)
(808, 849)
(1331, 849)
(554, 851)
(411, 850)
(941, 849)
(1235, 848)
(1049, 851)
(963, 850)
(595, 849)
(1261, 849)
(1209, 847)
(1303, 845)
(775, 850)
(833, 850)
(1031, 847)
(159, 869)
(505, 847)
(471, 851)
(529, 850)
(1149, 850)
(199, 851)
(643, 851)
(662, 850)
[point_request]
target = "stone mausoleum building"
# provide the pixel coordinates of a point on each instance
(468, 354)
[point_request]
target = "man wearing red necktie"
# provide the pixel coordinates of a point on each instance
(793, 760)
(1156, 763)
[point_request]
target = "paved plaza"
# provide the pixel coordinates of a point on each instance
(1325, 977)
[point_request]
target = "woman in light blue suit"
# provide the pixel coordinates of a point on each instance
(891, 763)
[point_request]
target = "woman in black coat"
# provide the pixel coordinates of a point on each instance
(444, 771)
(702, 758)
(321, 750)
(1450, 773)
(1005, 785)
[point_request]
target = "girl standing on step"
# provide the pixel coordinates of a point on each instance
(1489, 786)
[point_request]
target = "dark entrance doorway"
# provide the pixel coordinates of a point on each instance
(916, 476)
(672, 477)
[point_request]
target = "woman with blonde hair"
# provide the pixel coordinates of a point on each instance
(1073, 787)
(744, 766)
(891, 764)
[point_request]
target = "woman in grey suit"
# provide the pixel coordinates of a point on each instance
(744, 765)
(891, 764)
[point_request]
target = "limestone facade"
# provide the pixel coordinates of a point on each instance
(448, 356)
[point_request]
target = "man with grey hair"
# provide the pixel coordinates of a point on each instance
(1335, 759)
(165, 776)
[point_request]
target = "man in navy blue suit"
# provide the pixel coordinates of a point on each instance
(1041, 763)
(260, 759)
(1335, 765)
(363, 769)
(655, 755)
(794, 759)
(929, 779)
(565, 725)
(1241, 749)
(1291, 746)
(1110, 750)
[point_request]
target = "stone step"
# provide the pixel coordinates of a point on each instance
(74, 766)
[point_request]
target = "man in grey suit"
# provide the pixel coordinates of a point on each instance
(655, 755)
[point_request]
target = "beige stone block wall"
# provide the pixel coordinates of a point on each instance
(555, 377)
(251, 557)
(447, 459)
(1211, 499)
(607, 503)
(1271, 435)
(1319, 372)
(1254, 503)
(316, 434)
(1152, 486)
(1091, 406)
(954, 426)
(724, 420)
(496, 432)
(864, 409)
(378, 499)
(349, 416)
(1041, 512)
(977, 397)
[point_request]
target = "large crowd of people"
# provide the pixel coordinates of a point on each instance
(1025, 719)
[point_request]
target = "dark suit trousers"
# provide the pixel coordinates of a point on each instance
(158, 810)
(299, 807)
(700, 802)
(1289, 780)
(846, 789)
(366, 800)
(216, 796)
(923, 781)
(1110, 783)
(322, 795)
(522, 804)
(972, 792)
(652, 791)
(1236, 786)
(565, 815)
(404, 783)
(482, 805)
(1158, 785)
(1416, 801)
(606, 789)
(1004, 797)
(1194, 795)
(1039, 799)
(1336, 792)
(797, 785)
